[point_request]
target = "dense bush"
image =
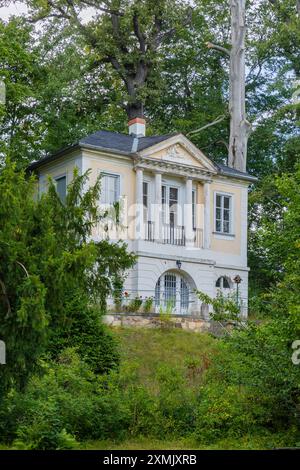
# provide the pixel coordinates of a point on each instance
(225, 400)
(51, 271)
(84, 330)
(166, 410)
(67, 403)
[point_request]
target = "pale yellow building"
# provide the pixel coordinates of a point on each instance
(183, 215)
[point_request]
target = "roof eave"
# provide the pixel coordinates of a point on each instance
(79, 146)
(54, 156)
(251, 179)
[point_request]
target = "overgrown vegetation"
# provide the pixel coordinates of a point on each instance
(64, 384)
(172, 387)
(51, 274)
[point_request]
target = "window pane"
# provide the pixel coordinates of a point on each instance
(226, 214)
(109, 189)
(226, 283)
(218, 225)
(226, 227)
(172, 218)
(173, 195)
(218, 200)
(173, 201)
(145, 190)
(194, 208)
(157, 293)
(218, 283)
(218, 214)
(170, 289)
(163, 201)
(226, 202)
(163, 194)
(145, 201)
(61, 188)
(184, 295)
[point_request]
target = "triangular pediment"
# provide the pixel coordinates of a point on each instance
(178, 149)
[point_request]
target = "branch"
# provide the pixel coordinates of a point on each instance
(115, 21)
(96, 5)
(23, 267)
(216, 121)
(218, 48)
(137, 31)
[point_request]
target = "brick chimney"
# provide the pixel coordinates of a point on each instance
(137, 127)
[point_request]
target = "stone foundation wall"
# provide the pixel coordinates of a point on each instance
(190, 323)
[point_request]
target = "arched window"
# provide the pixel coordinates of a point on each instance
(173, 289)
(223, 283)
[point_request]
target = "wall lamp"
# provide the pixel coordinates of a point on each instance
(178, 264)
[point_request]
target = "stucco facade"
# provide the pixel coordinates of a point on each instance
(184, 217)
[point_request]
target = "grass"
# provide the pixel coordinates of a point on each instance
(247, 442)
(149, 349)
(145, 351)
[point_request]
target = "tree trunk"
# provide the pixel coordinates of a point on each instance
(239, 126)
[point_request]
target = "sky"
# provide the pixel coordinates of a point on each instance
(16, 8)
(19, 9)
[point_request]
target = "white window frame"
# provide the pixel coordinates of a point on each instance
(149, 200)
(194, 208)
(117, 176)
(166, 209)
(231, 213)
(181, 291)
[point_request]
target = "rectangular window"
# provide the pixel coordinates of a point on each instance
(223, 213)
(169, 200)
(194, 208)
(145, 200)
(173, 203)
(163, 202)
(61, 188)
(110, 189)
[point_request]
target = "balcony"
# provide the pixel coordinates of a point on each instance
(172, 235)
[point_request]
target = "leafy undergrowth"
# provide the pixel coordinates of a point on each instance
(174, 389)
(148, 350)
(247, 442)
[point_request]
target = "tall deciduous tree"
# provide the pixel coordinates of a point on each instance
(239, 125)
(127, 34)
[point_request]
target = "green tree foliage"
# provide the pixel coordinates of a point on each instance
(51, 272)
(19, 71)
(127, 35)
(24, 318)
(256, 363)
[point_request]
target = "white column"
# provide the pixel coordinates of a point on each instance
(157, 215)
(207, 216)
(139, 223)
(188, 213)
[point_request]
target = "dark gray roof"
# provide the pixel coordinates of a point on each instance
(228, 171)
(121, 142)
(129, 145)
(106, 140)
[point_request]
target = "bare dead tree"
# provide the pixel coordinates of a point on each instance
(240, 127)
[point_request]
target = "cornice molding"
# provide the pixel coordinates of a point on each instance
(172, 168)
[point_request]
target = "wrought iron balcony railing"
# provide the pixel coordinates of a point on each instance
(171, 234)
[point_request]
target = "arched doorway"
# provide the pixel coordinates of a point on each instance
(174, 291)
